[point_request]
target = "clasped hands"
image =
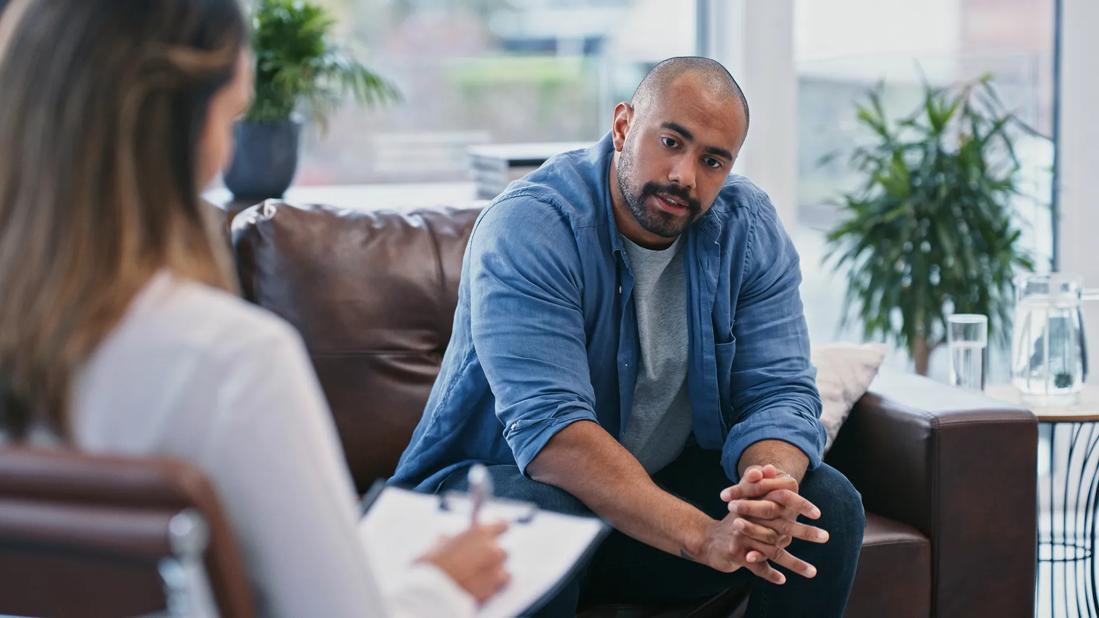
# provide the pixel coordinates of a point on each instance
(762, 522)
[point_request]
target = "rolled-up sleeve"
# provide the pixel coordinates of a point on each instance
(774, 393)
(527, 323)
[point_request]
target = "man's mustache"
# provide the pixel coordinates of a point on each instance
(652, 188)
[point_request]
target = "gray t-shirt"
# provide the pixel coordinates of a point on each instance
(660, 421)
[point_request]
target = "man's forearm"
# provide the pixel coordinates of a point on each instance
(782, 455)
(586, 461)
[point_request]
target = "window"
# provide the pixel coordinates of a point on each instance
(845, 47)
(487, 71)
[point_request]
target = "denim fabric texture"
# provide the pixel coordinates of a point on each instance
(545, 331)
(624, 570)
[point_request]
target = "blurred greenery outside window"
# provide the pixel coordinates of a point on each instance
(900, 44)
(486, 71)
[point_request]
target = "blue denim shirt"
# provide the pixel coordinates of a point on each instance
(545, 332)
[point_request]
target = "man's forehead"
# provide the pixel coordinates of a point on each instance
(706, 104)
(687, 91)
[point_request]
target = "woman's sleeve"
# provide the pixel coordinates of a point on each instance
(275, 458)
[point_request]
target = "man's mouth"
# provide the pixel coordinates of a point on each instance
(671, 202)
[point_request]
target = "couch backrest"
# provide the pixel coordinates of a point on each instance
(373, 295)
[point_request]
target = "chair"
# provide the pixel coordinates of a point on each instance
(90, 535)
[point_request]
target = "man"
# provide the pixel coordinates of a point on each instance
(629, 340)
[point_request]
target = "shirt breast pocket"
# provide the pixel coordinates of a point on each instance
(726, 351)
(723, 331)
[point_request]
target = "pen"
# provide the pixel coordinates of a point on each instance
(480, 489)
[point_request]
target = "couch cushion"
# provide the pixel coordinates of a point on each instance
(373, 295)
(894, 574)
(844, 372)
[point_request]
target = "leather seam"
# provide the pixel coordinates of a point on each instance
(374, 353)
(439, 271)
(938, 418)
(897, 542)
(936, 501)
(948, 423)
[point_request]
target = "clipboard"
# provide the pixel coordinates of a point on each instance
(545, 549)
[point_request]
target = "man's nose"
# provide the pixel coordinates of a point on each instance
(683, 172)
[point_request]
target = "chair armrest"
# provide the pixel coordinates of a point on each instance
(961, 468)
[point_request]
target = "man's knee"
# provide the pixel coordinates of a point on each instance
(551, 498)
(509, 482)
(842, 511)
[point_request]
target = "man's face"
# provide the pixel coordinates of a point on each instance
(676, 154)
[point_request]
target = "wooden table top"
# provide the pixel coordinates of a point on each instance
(1084, 410)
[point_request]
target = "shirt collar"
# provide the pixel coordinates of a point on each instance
(603, 155)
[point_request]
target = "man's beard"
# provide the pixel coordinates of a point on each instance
(654, 220)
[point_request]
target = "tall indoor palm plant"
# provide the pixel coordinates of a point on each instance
(299, 69)
(930, 231)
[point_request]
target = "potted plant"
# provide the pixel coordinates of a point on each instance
(930, 230)
(299, 68)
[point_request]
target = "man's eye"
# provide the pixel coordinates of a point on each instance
(713, 163)
(668, 142)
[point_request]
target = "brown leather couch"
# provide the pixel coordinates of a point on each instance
(86, 535)
(948, 478)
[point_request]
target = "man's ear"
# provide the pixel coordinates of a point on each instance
(623, 115)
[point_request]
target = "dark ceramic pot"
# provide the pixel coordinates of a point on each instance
(264, 160)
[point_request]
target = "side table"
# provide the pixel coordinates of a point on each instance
(1068, 505)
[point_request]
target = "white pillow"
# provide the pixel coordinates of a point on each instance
(844, 372)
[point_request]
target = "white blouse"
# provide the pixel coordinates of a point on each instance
(196, 373)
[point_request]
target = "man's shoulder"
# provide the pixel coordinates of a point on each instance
(740, 195)
(749, 219)
(741, 203)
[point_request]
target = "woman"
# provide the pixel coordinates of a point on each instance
(118, 331)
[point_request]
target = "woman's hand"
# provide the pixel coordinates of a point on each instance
(473, 559)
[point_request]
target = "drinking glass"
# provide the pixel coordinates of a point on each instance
(967, 337)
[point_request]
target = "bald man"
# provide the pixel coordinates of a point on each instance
(629, 341)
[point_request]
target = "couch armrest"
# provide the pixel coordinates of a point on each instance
(961, 468)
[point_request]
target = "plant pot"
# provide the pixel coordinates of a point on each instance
(264, 159)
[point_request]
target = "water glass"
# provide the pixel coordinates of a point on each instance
(967, 337)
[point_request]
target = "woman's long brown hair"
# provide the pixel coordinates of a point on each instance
(102, 105)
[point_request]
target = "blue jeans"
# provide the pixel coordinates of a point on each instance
(626, 570)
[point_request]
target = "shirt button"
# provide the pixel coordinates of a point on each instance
(619, 289)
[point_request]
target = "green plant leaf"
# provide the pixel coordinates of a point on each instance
(300, 68)
(930, 229)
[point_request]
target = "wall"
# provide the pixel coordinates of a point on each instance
(755, 41)
(1079, 155)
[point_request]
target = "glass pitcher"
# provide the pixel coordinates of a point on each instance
(1049, 357)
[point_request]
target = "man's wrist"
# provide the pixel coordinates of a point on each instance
(782, 455)
(693, 543)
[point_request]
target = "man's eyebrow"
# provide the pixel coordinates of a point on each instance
(678, 128)
(721, 152)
